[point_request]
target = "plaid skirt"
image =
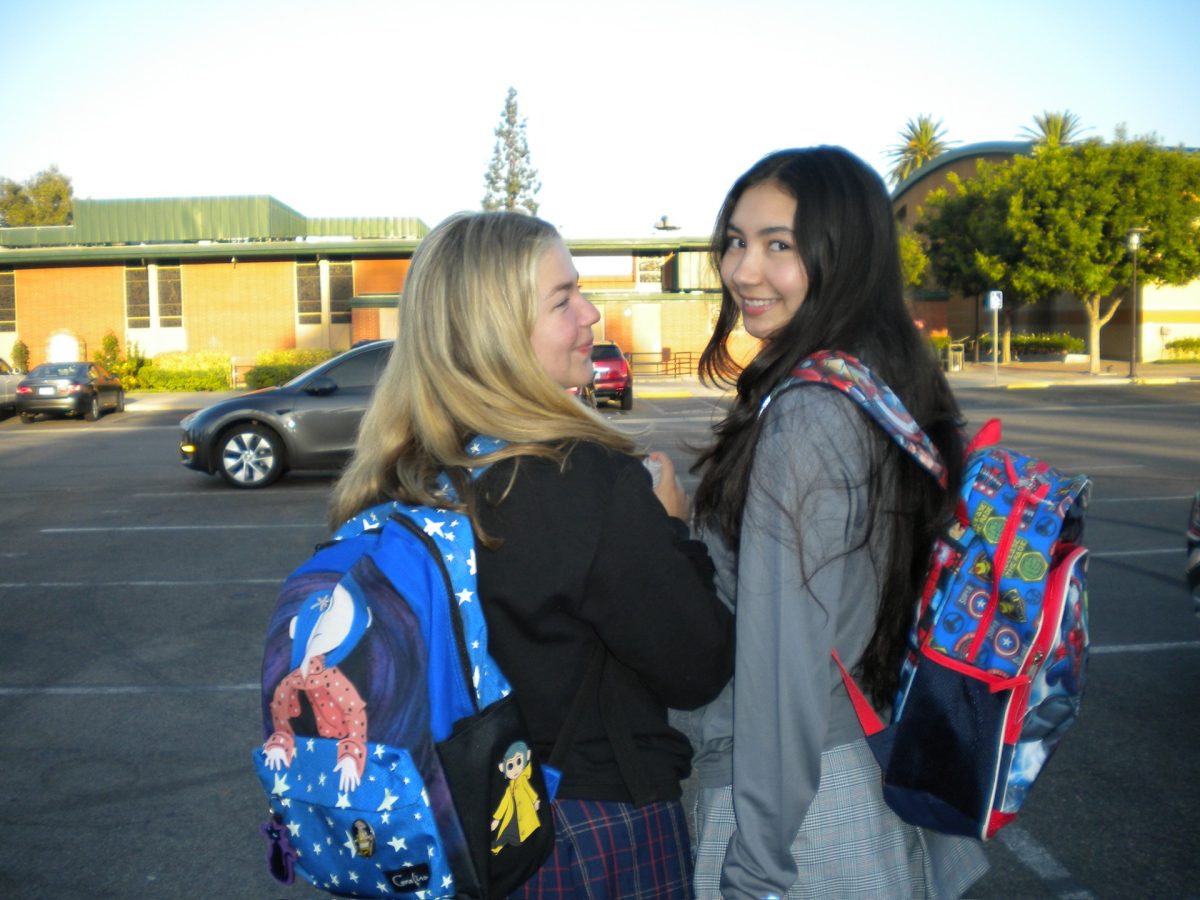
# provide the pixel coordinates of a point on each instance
(615, 851)
(851, 844)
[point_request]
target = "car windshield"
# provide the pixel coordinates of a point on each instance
(57, 370)
(606, 351)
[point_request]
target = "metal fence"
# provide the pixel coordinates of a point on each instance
(664, 362)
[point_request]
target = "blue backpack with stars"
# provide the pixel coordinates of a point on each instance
(994, 672)
(395, 760)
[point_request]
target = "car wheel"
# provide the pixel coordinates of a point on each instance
(251, 456)
(28, 417)
(627, 398)
(120, 407)
(92, 413)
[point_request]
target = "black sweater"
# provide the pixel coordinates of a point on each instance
(587, 555)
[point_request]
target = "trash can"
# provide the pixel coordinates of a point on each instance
(954, 357)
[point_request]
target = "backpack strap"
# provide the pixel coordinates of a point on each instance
(849, 375)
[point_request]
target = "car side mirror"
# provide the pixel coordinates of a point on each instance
(319, 387)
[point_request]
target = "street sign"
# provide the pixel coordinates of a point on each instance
(995, 300)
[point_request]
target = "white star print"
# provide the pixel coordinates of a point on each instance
(388, 801)
(447, 881)
(397, 844)
(294, 829)
(310, 745)
(471, 562)
(464, 596)
(349, 844)
(343, 801)
(379, 751)
(432, 528)
(281, 786)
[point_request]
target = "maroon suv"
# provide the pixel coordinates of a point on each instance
(614, 377)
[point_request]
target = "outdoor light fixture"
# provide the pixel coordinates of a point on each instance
(1134, 241)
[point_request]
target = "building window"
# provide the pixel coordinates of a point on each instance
(137, 297)
(8, 302)
(341, 291)
(308, 293)
(170, 297)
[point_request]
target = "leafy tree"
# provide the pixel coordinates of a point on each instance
(1054, 128)
(971, 250)
(921, 141)
(1073, 207)
(511, 181)
(913, 261)
(44, 199)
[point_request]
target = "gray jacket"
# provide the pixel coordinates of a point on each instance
(803, 581)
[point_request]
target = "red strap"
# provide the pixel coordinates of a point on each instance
(867, 717)
(987, 436)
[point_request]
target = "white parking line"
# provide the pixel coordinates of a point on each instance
(14, 585)
(1038, 860)
(1140, 499)
(1143, 648)
(99, 689)
(106, 528)
(1110, 554)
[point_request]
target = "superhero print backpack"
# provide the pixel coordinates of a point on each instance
(394, 758)
(994, 672)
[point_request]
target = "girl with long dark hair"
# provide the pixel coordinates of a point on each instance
(821, 529)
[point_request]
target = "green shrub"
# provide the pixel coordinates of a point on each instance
(275, 367)
(1180, 348)
(20, 355)
(154, 378)
(124, 366)
(1037, 344)
(293, 357)
(262, 376)
(192, 360)
(190, 371)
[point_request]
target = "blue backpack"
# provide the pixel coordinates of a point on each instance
(994, 672)
(395, 759)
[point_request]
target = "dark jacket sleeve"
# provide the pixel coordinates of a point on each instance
(589, 551)
(651, 599)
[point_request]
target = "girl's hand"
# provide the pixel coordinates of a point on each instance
(669, 490)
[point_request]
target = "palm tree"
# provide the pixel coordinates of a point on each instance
(1054, 128)
(921, 140)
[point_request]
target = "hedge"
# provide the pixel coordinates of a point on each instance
(1032, 344)
(155, 378)
(1183, 348)
(275, 367)
(262, 376)
(198, 370)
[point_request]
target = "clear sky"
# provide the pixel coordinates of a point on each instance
(635, 108)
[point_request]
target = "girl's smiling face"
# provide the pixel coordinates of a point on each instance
(562, 332)
(760, 264)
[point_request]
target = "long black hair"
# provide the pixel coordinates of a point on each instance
(846, 239)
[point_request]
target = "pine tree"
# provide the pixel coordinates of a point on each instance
(511, 181)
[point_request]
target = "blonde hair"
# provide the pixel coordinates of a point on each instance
(463, 365)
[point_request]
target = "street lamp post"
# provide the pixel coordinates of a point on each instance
(1135, 241)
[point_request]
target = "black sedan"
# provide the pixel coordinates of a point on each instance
(309, 423)
(69, 388)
